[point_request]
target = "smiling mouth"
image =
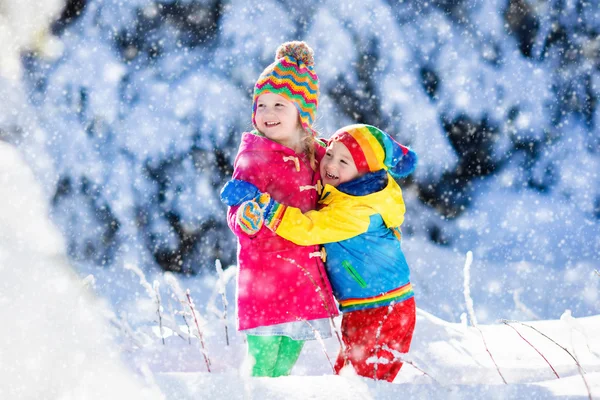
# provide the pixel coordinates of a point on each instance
(329, 175)
(271, 124)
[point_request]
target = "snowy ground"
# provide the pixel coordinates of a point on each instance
(452, 355)
(72, 336)
(61, 341)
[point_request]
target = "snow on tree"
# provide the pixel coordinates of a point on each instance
(143, 112)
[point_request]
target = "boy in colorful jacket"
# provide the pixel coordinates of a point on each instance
(361, 210)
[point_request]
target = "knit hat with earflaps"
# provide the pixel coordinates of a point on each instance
(373, 150)
(292, 76)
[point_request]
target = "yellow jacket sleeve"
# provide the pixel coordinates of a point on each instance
(330, 224)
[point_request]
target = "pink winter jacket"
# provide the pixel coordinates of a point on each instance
(272, 290)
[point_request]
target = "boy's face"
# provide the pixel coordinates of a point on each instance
(337, 166)
(277, 119)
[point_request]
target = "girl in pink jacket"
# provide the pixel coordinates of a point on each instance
(281, 286)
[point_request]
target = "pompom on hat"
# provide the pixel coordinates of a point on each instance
(292, 76)
(373, 150)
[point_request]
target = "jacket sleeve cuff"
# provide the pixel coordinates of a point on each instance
(274, 216)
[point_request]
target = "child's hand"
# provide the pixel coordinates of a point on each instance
(250, 217)
(255, 205)
(252, 213)
(236, 191)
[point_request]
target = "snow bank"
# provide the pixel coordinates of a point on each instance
(56, 343)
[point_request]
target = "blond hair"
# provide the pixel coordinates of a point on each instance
(309, 148)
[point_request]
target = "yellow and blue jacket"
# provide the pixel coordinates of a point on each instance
(359, 225)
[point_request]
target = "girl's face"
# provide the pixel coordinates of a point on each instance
(338, 165)
(278, 119)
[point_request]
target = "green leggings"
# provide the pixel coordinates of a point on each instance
(273, 355)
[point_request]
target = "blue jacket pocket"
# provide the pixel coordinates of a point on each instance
(348, 267)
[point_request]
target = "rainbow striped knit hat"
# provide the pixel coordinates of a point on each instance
(292, 76)
(373, 150)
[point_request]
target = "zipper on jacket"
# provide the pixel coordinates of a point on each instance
(348, 267)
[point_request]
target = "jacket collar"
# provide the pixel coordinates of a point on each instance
(369, 183)
(256, 141)
(387, 201)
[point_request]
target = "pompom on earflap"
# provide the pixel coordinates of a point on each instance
(405, 165)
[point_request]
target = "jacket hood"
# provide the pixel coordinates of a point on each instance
(387, 202)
